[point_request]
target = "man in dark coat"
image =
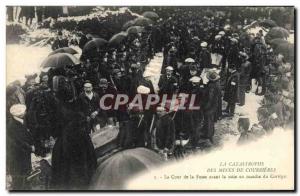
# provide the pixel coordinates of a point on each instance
(165, 130)
(168, 82)
(210, 105)
(245, 71)
(105, 88)
(186, 75)
(183, 119)
(59, 42)
(204, 57)
(88, 103)
(197, 90)
(231, 95)
(19, 148)
(233, 53)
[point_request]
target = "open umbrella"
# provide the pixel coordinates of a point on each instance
(142, 21)
(64, 50)
(277, 32)
(93, 47)
(127, 25)
(276, 42)
(117, 38)
(115, 171)
(134, 30)
(150, 15)
(268, 23)
(60, 60)
(287, 50)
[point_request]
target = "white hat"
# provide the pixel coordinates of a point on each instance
(170, 68)
(221, 33)
(217, 37)
(88, 85)
(189, 60)
(195, 79)
(143, 90)
(17, 110)
(234, 40)
(226, 27)
(203, 44)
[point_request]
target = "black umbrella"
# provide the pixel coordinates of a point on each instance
(268, 23)
(287, 50)
(59, 60)
(134, 30)
(117, 38)
(150, 15)
(95, 45)
(142, 21)
(127, 25)
(118, 169)
(64, 50)
(277, 32)
(276, 42)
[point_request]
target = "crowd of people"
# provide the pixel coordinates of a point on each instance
(205, 56)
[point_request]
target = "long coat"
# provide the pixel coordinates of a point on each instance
(244, 80)
(87, 106)
(19, 142)
(73, 156)
(231, 94)
(204, 59)
(167, 85)
(210, 106)
(165, 132)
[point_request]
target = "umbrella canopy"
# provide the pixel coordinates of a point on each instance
(150, 15)
(115, 171)
(64, 50)
(117, 38)
(275, 42)
(287, 50)
(127, 25)
(93, 47)
(268, 23)
(134, 30)
(277, 32)
(59, 60)
(142, 21)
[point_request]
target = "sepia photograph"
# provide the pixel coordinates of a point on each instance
(150, 98)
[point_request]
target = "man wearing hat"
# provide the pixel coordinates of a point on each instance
(164, 131)
(105, 88)
(204, 57)
(211, 101)
(171, 59)
(59, 42)
(135, 76)
(88, 103)
(197, 90)
(245, 81)
(259, 60)
(231, 94)
(19, 148)
(233, 53)
(186, 75)
(168, 82)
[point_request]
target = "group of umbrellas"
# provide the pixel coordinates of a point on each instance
(277, 38)
(64, 56)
